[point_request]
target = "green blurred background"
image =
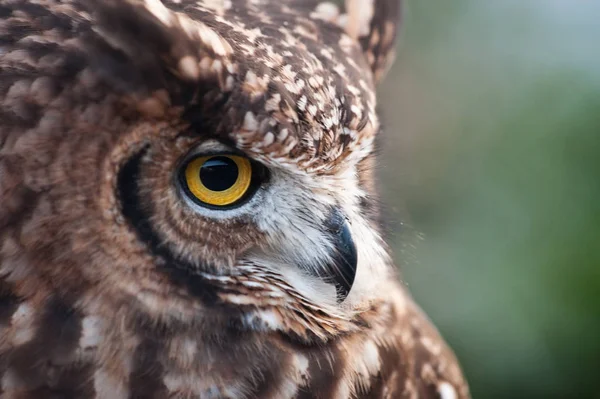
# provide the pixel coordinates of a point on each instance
(491, 175)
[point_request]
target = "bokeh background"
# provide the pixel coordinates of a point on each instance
(491, 175)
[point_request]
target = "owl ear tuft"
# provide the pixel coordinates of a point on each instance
(375, 23)
(156, 38)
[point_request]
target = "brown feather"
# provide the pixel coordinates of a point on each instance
(111, 286)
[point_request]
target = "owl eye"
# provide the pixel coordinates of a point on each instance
(222, 180)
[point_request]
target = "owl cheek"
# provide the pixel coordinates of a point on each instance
(341, 269)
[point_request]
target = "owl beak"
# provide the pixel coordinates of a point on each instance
(342, 269)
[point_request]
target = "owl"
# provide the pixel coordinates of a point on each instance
(188, 205)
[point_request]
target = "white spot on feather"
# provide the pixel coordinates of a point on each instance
(108, 387)
(326, 11)
(22, 324)
(270, 319)
(216, 42)
(370, 356)
(360, 13)
(161, 12)
(91, 333)
(188, 67)
(9, 381)
(268, 139)
(446, 391)
(301, 104)
(272, 103)
(250, 123)
(283, 134)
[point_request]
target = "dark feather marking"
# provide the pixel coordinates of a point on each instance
(180, 273)
(147, 54)
(392, 364)
(325, 370)
(8, 302)
(43, 362)
(145, 381)
(74, 382)
(386, 13)
(265, 388)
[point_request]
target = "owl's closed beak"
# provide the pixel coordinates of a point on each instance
(342, 269)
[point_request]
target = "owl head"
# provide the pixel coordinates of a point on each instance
(197, 162)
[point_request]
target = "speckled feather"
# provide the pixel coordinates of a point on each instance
(111, 287)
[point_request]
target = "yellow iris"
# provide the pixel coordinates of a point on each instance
(218, 180)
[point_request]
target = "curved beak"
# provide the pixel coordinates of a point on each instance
(342, 269)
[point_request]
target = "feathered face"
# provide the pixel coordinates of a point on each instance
(202, 160)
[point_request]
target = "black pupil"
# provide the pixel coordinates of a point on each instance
(219, 173)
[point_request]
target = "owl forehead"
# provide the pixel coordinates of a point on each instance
(278, 79)
(291, 86)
